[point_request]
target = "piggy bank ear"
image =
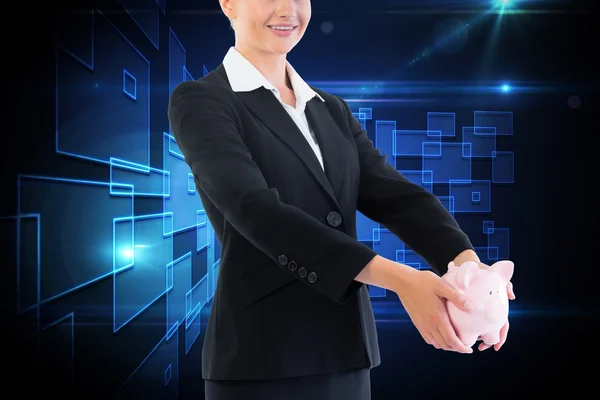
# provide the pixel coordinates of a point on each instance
(504, 268)
(467, 272)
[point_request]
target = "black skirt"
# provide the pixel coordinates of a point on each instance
(347, 385)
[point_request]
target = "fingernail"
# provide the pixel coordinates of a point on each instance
(469, 306)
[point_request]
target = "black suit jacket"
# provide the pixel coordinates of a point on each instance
(286, 302)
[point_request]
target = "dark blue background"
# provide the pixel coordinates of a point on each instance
(80, 325)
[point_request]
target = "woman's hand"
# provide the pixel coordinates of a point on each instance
(470, 255)
(423, 294)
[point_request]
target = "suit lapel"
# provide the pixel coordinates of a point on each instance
(263, 104)
(326, 131)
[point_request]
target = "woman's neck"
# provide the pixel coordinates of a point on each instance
(271, 66)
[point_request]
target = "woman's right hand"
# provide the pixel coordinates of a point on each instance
(423, 295)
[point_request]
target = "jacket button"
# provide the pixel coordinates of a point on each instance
(283, 260)
(312, 277)
(293, 266)
(334, 219)
(302, 272)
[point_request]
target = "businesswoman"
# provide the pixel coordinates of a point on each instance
(281, 168)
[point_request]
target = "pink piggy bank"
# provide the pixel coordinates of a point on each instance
(486, 289)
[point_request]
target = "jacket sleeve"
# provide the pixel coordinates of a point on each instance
(414, 215)
(209, 136)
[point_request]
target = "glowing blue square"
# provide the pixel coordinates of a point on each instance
(492, 253)
(367, 113)
(488, 227)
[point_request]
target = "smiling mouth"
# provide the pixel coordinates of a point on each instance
(282, 28)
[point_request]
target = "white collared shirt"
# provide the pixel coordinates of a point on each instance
(244, 77)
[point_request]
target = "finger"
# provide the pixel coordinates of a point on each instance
(483, 346)
(503, 336)
(437, 335)
(435, 344)
(510, 291)
(449, 335)
(448, 292)
(425, 337)
(435, 321)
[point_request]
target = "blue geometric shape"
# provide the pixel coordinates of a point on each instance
(145, 14)
(454, 162)
(177, 63)
(73, 246)
(146, 181)
(488, 227)
(201, 293)
(427, 179)
(75, 36)
(186, 75)
(384, 134)
(168, 375)
(213, 254)
(149, 379)
(500, 241)
(366, 112)
(414, 260)
(503, 167)
(27, 228)
(123, 240)
(137, 287)
(202, 231)
(179, 204)
(203, 290)
(462, 192)
(129, 85)
(444, 122)
(178, 292)
(475, 197)
(376, 292)
(492, 254)
(162, 5)
(410, 142)
(170, 279)
(173, 147)
(431, 149)
(94, 121)
(365, 227)
(388, 245)
(361, 117)
(482, 139)
(191, 184)
(193, 327)
(501, 120)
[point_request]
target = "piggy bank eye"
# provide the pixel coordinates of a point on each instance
(490, 292)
